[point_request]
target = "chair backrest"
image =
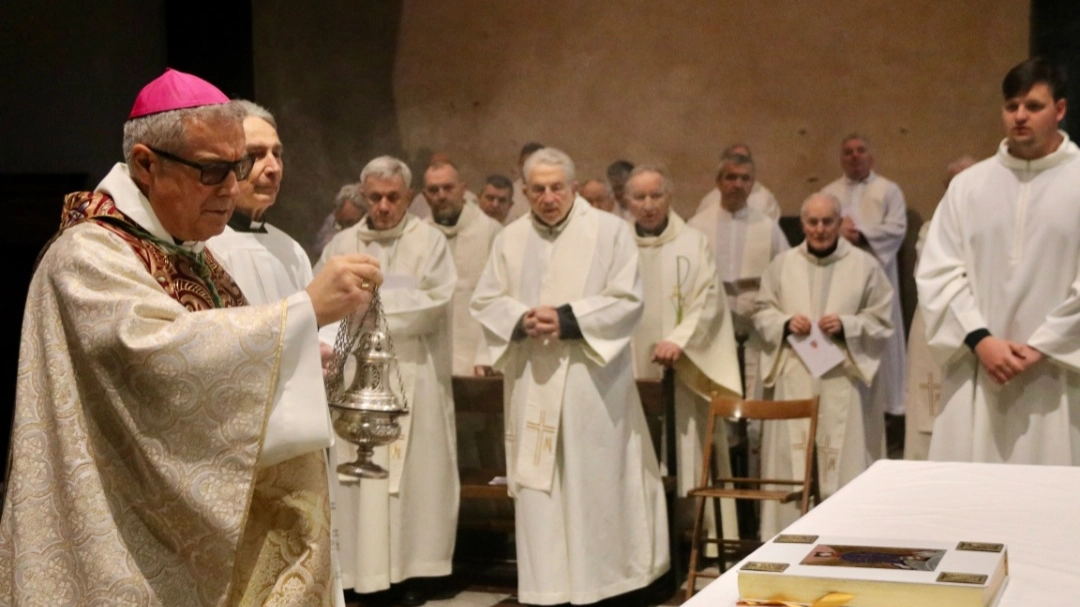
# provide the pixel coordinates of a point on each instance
(724, 407)
(478, 394)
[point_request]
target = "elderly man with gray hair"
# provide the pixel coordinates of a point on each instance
(166, 447)
(404, 527)
(559, 300)
(832, 296)
(686, 326)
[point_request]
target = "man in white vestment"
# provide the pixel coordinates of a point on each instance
(520, 205)
(744, 241)
(924, 373)
(419, 205)
(828, 283)
(685, 326)
(559, 300)
(469, 234)
(266, 263)
(875, 219)
(598, 194)
(998, 287)
(349, 207)
(166, 448)
(760, 198)
(404, 527)
(496, 198)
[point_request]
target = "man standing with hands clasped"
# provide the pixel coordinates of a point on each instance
(998, 287)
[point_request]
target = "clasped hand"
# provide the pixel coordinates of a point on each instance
(541, 322)
(1004, 359)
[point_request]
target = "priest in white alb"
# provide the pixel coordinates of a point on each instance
(761, 198)
(559, 300)
(404, 527)
(469, 234)
(827, 282)
(165, 447)
(875, 219)
(744, 241)
(266, 263)
(686, 326)
(999, 286)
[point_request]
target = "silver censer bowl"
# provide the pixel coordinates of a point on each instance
(365, 414)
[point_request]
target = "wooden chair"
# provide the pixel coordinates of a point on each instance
(711, 487)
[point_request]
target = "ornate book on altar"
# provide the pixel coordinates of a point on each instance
(877, 573)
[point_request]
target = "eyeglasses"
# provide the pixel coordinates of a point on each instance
(213, 173)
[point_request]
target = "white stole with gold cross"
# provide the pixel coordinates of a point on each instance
(552, 273)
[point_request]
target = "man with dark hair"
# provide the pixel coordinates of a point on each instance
(521, 201)
(744, 241)
(497, 197)
(761, 198)
(155, 458)
(469, 234)
(998, 288)
(617, 174)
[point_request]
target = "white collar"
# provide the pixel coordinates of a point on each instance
(1067, 150)
(131, 202)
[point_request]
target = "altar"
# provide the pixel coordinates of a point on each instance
(1034, 510)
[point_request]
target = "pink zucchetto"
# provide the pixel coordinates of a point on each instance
(175, 90)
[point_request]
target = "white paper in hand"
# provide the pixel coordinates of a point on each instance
(817, 351)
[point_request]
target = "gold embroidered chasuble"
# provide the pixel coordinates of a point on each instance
(142, 401)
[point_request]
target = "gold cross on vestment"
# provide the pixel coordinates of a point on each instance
(933, 393)
(829, 453)
(544, 434)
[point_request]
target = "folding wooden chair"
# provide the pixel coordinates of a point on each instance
(711, 487)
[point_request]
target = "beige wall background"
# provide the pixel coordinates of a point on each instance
(669, 83)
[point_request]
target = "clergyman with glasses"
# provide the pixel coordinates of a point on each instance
(150, 464)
